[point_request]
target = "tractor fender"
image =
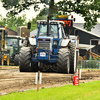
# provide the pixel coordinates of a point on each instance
(32, 41)
(65, 42)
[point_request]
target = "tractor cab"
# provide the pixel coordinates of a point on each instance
(14, 43)
(50, 38)
(53, 30)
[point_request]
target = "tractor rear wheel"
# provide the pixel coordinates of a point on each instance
(63, 64)
(25, 59)
(72, 53)
(16, 60)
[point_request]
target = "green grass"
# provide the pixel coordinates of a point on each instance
(85, 91)
(88, 69)
(8, 66)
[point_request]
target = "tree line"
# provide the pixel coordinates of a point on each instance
(88, 9)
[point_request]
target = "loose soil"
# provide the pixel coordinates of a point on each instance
(11, 80)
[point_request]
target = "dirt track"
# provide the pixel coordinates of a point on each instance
(12, 80)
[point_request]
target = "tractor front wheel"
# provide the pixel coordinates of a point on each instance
(25, 59)
(63, 61)
(72, 54)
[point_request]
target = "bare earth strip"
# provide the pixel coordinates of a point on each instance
(12, 80)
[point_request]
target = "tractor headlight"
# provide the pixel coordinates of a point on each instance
(55, 44)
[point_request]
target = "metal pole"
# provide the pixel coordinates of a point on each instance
(48, 25)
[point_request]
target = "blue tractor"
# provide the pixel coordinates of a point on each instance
(51, 49)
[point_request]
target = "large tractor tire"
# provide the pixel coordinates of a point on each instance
(25, 59)
(63, 61)
(16, 60)
(72, 53)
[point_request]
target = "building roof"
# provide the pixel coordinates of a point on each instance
(94, 31)
(10, 31)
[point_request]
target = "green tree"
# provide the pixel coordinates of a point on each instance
(12, 21)
(34, 21)
(88, 9)
(16, 6)
(33, 24)
(1, 20)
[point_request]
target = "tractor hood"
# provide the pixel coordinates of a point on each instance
(45, 42)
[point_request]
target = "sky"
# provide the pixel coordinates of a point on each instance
(32, 14)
